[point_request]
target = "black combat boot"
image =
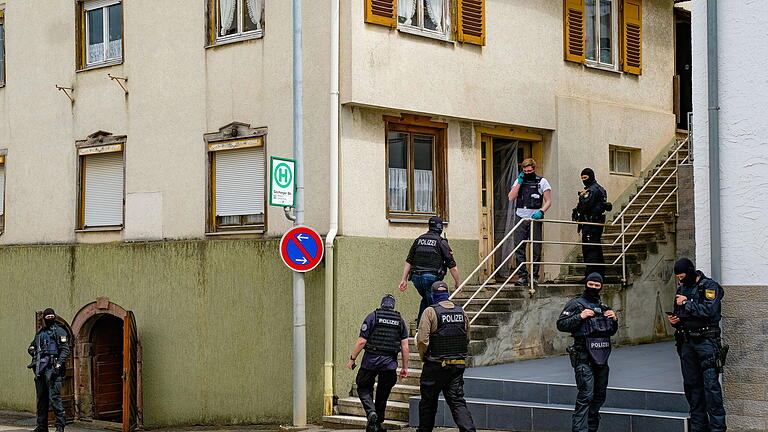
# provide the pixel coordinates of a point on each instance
(59, 428)
(373, 419)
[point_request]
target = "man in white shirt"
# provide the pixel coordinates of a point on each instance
(532, 196)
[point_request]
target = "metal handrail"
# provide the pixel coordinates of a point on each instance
(620, 218)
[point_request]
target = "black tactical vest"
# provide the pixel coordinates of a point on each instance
(386, 334)
(449, 341)
(48, 343)
(529, 196)
(427, 256)
(598, 325)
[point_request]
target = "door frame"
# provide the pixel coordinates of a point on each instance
(489, 132)
(81, 328)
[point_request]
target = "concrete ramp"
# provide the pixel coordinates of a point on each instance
(645, 394)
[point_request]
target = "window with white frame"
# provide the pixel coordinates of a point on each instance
(236, 19)
(103, 31)
(601, 19)
(620, 161)
(429, 16)
(2, 47)
(101, 186)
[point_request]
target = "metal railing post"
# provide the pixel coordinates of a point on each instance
(623, 254)
(531, 245)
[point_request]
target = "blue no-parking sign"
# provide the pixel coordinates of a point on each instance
(301, 249)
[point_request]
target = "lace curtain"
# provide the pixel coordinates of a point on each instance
(398, 189)
(407, 9)
(423, 190)
(435, 11)
(255, 8)
(227, 14)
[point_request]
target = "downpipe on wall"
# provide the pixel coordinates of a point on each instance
(713, 98)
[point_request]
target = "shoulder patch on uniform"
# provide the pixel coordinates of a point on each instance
(364, 327)
(710, 294)
(63, 339)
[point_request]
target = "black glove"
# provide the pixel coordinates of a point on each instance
(31, 350)
(574, 215)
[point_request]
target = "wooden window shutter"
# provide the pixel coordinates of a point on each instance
(381, 12)
(632, 36)
(573, 30)
(211, 26)
(79, 35)
(471, 21)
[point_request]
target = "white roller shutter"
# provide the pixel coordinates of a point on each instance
(104, 189)
(240, 182)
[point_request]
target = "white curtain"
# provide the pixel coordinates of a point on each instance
(115, 49)
(398, 189)
(407, 9)
(435, 9)
(227, 14)
(96, 53)
(255, 8)
(423, 190)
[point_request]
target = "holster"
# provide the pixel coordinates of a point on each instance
(573, 354)
(722, 355)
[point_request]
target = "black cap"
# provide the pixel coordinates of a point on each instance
(435, 224)
(388, 302)
(439, 284)
(48, 311)
(684, 265)
(594, 277)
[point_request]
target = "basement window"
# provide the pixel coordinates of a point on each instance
(620, 161)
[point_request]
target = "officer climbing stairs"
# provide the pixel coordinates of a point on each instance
(350, 413)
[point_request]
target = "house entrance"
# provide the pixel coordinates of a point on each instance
(500, 158)
(107, 368)
(107, 364)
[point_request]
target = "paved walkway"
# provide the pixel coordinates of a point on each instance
(646, 367)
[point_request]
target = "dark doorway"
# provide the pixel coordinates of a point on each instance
(683, 68)
(107, 366)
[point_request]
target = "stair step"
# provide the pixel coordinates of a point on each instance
(353, 406)
(517, 416)
(487, 318)
(497, 305)
(340, 421)
(400, 392)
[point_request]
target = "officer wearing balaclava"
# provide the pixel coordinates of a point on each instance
(49, 350)
(591, 323)
(696, 318)
(429, 258)
(443, 341)
(593, 203)
(383, 335)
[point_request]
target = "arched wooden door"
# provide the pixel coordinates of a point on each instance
(130, 373)
(68, 382)
(107, 368)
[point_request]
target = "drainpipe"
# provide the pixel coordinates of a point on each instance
(714, 139)
(333, 206)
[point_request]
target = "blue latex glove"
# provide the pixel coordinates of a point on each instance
(520, 177)
(538, 215)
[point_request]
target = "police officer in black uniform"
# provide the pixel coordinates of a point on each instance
(696, 318)
(591, 323)
(427, 261)
(443, 340)
(49, 350)
(593, 203)
(383, 335)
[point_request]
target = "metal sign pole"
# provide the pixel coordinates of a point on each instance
(299, 319)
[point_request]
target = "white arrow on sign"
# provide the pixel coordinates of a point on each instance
(301, 261)
(302, 237)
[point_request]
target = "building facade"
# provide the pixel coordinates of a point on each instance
(136, 136)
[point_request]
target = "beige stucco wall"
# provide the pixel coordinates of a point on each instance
(519, 79)
(179, 91)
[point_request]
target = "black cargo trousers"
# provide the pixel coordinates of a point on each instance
(48, 388)
(591, 383)
(448, 379)
(698, 362)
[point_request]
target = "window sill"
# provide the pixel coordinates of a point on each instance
(236, 39)
(99, 229)
(598, 66)
(242, 232)
(417, 221)
(101, 65)
(425, 33)
(621, 174)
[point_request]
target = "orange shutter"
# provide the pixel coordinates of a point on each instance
(471, 21)
(573, 30)
(381, 12)
(632, 36)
